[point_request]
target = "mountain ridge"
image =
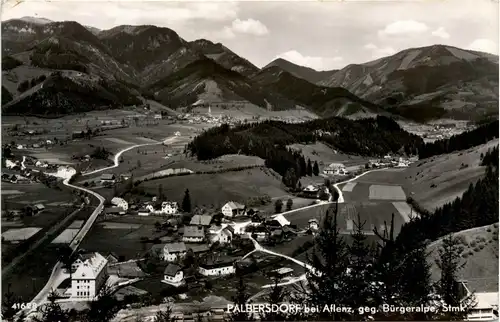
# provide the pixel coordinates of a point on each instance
(412, 83)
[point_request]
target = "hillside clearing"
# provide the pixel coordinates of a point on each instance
(435, 181)
(479, 256)
(219, 188)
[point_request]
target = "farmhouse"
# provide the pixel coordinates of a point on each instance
(38, 208)
(485, 292)
(201, 220)
(108, 178)
(174, 251)
(217, 267)
(282, 220)
(198, 248)
(166, 208)
(173, 275)
(89, 276)
(233, 209)
(335, 169)
(193, 234)
(120, 202)
(220, 234)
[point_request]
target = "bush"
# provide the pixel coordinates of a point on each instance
(473, 244)
(477, 249)
(465, 255)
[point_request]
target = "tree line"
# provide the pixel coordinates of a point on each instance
(375, 282)
(478, 206)
(462, 141)
(269, 140)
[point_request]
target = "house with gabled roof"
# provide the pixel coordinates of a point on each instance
(193, 234)
(233, 209)
(173, 275)
(174, 251)
(89, 276)
(201, 220)
(216, 265)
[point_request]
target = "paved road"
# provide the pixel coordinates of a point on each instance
(58, 275)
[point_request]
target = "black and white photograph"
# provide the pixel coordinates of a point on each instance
(199, 161)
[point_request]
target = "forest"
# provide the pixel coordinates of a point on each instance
(477, 207)
(269, 139)
(461, 141)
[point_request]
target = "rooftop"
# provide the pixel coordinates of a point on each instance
(203, 220)
(234, 205)
(172, 269)
(194, 231)
(108, 176)
(175, 247)
(91, 266)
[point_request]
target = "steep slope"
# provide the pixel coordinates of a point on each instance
(428, 82)
(325, 101)
(61, 45)
(224, 57)
(152, 51)
(309, 74)
(205, 79)
(68, 92)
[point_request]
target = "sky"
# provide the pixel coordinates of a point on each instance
(323, 35)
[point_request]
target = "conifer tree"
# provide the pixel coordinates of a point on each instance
(240, 299)
(277, 295)
(448, 287)
(186, 201)
(329, 258)
(309, 168)
(315, 168)
(360, 276)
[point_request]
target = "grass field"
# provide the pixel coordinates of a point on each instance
(20, 234)
(380, 192)
(322, 153)
(30, 277)
(435, 181)
(217, 189)
(479, 256)
(122, 236)
(66, 236)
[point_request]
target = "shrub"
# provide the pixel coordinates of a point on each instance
(473, 244)
(465, 255)
(477, 249)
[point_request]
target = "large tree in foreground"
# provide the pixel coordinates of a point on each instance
(329, 259)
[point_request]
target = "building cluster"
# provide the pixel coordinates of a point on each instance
(390, 161)
(203, 231)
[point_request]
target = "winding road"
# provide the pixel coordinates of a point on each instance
(58, 275)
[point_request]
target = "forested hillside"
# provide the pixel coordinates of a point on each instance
(462, 141)
(477, 207)
(268, 140)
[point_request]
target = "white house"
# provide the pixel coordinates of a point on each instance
(220, 234)
(282, 220)
(120, 202)
(335, 169)
(217, 267)
(174, 251)
(166, 208)
(169, 207)
(177, 133)
(89, 276)
(173, 275)
(193, 234)
(158, 117)
(486, 304)
(233, 209)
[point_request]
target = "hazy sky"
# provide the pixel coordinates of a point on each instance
(322, 35)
